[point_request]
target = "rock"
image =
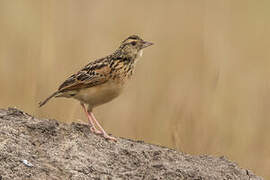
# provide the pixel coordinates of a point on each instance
(32, 148)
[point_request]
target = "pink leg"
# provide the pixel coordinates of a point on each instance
(106, 136)
(92, 125)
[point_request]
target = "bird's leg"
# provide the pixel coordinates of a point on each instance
(105, 135)
(93, 129)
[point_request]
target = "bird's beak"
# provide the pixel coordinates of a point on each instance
(146, 44)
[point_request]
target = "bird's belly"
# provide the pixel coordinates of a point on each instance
(95, 96)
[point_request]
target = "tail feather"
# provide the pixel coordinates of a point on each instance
(47, 99)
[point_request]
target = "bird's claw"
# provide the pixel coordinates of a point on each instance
(94, 130)
(107, 137)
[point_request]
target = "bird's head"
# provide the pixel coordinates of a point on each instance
(133, 46)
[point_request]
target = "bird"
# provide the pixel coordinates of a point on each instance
(102, 80)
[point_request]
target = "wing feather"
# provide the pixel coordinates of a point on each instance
(95, 73)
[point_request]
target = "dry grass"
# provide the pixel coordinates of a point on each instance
(203, 88)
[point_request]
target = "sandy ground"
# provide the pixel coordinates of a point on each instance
(32, 148)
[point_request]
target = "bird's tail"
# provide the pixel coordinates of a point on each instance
(47, 99)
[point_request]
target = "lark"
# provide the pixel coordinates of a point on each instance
(102, 80)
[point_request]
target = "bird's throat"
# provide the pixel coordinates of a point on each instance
(140, 53)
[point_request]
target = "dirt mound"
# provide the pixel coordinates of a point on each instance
(32, 148)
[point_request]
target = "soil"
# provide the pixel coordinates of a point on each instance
(32, 148)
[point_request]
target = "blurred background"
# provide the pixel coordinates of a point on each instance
(203, 88)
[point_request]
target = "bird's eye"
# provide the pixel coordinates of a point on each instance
(133, 43)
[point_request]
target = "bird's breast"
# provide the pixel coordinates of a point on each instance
(122, 71)
(100, 94)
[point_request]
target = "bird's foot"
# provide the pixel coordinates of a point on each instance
(95, 130)
(107, 137)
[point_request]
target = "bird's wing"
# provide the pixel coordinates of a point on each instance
(93, 74)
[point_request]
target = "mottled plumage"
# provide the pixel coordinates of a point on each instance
(102, 80)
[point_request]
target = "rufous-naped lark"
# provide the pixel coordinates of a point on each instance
(102, 80)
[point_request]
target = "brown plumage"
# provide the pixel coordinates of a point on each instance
(102, 80)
